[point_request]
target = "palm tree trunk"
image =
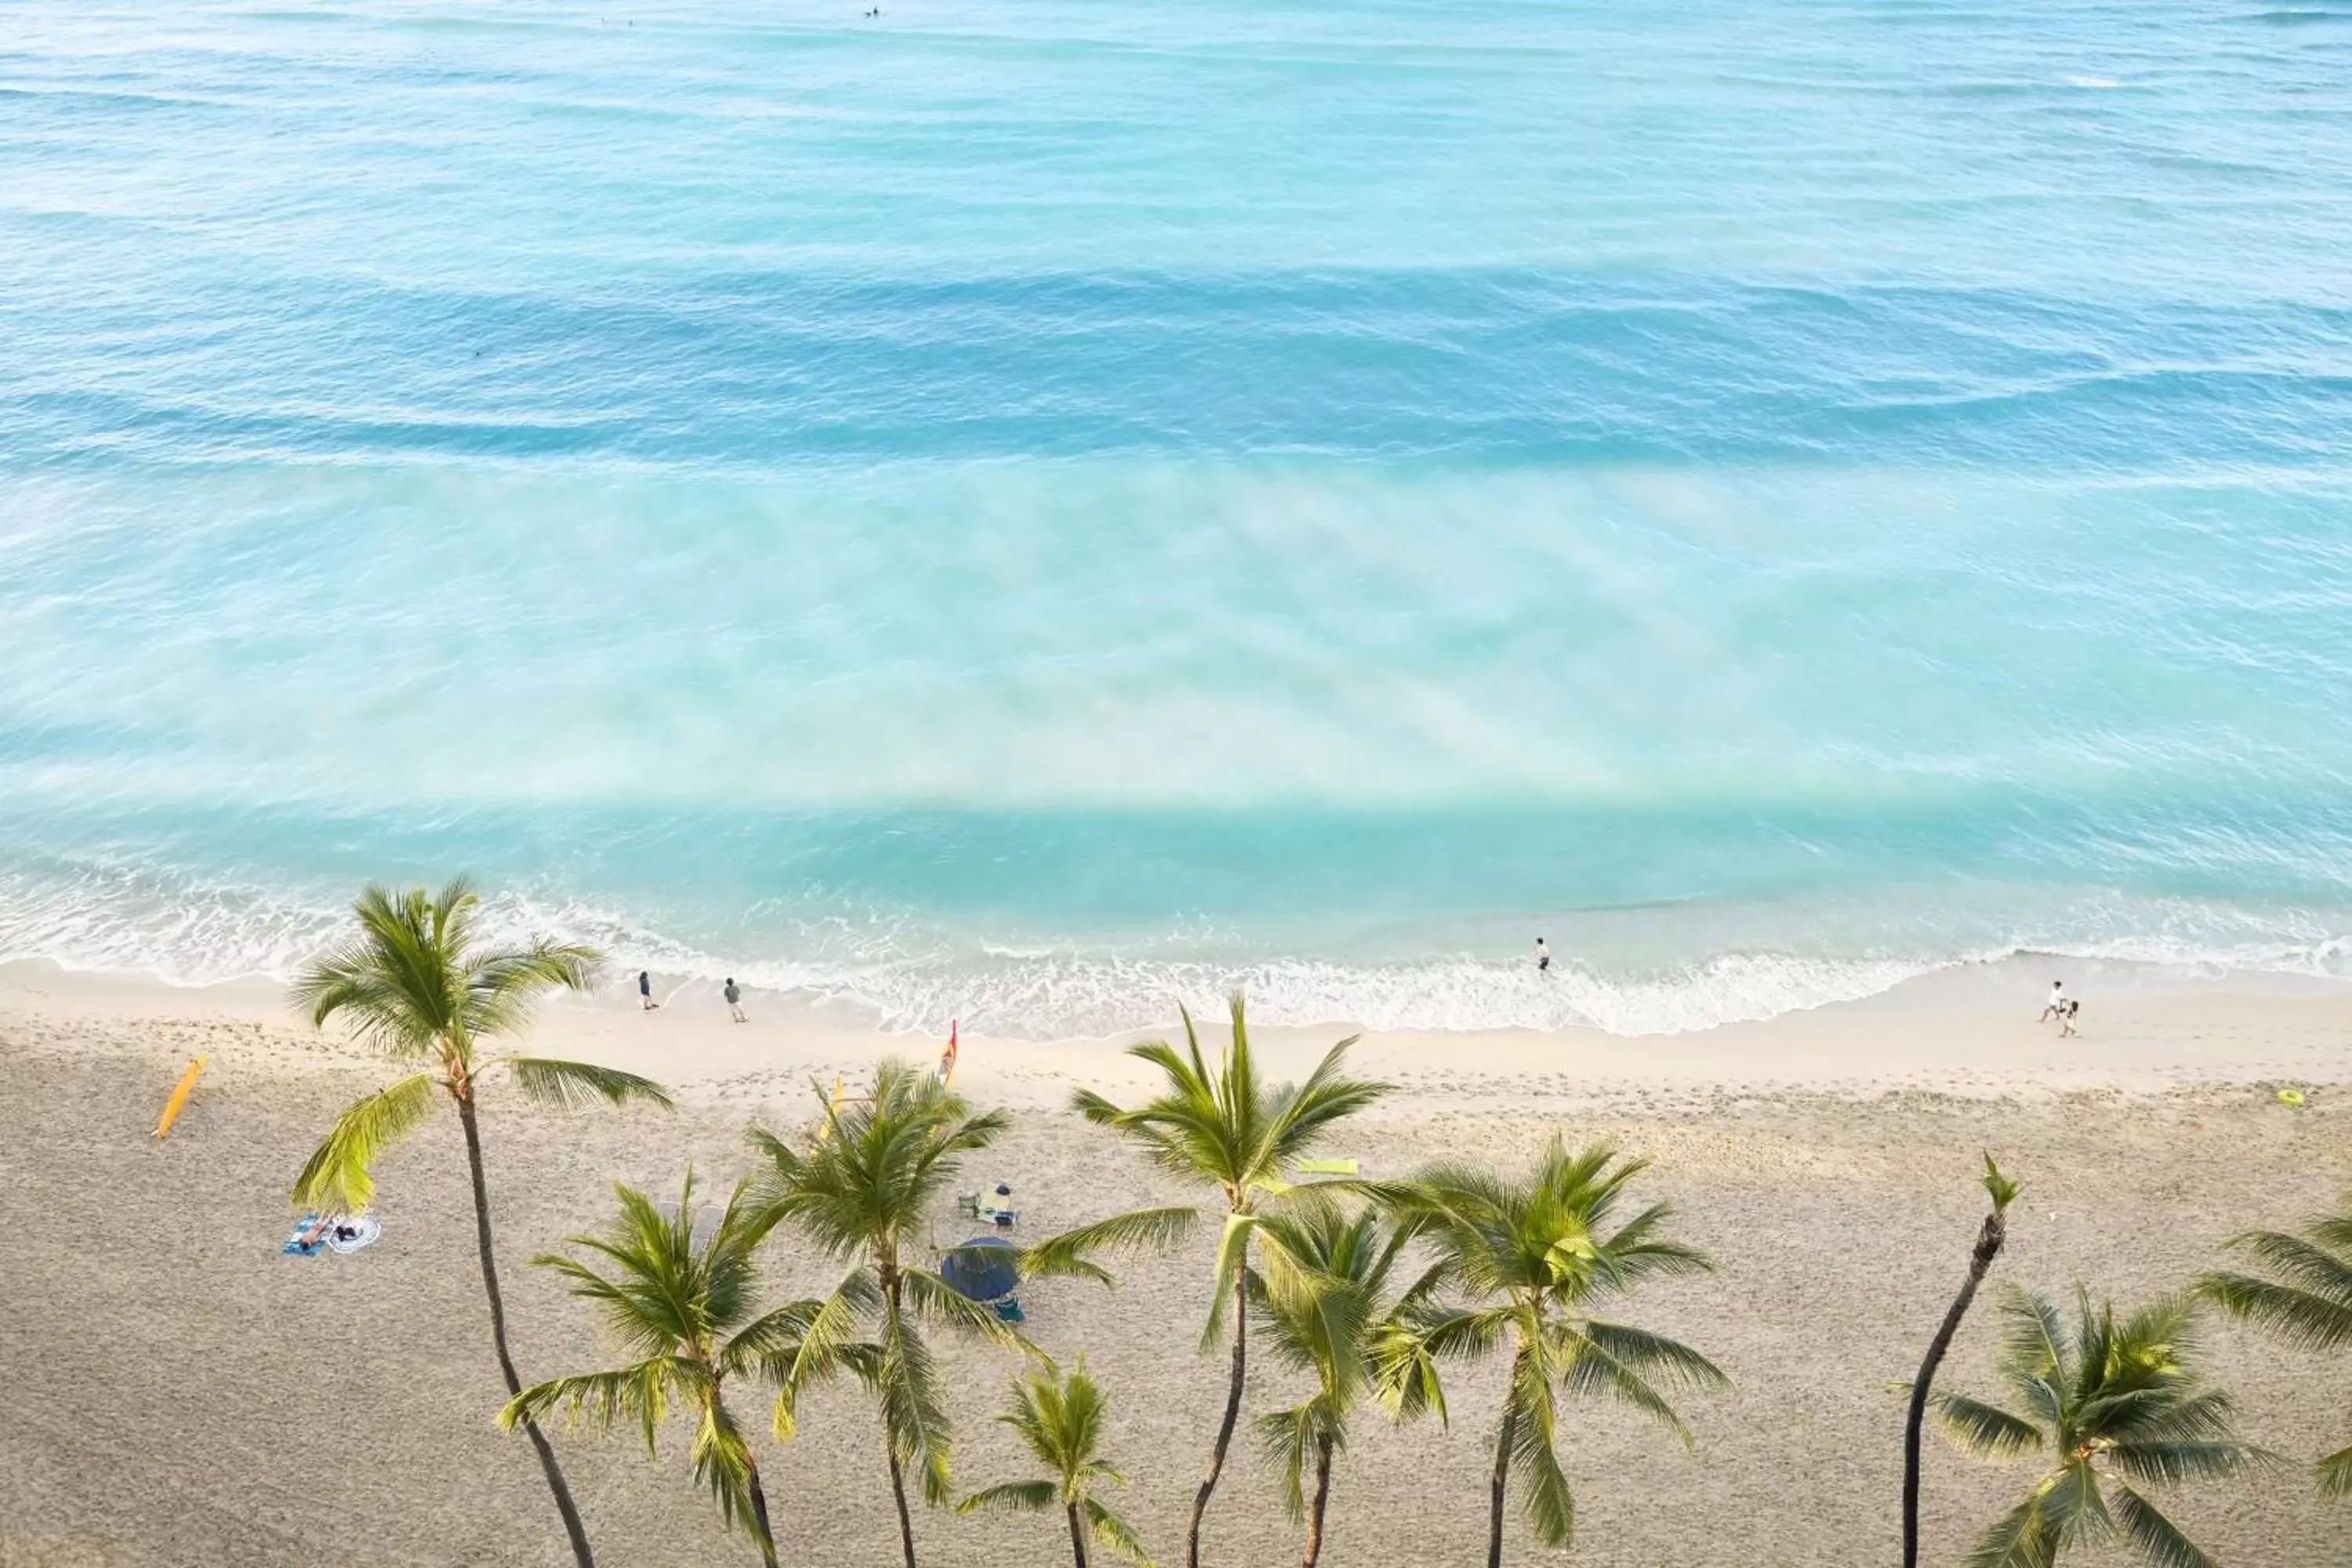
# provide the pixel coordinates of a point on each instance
(1989, 1243)
(1322, 1500)
(1077, 1536)
(1502, 1468)
(898, 1491)
(758, 1502)
(563, 1505)
(887, 1274)
(1225, 1427)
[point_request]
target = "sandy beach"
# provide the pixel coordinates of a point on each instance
(180, 1392)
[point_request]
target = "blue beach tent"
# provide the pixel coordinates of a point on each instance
(981, 1269)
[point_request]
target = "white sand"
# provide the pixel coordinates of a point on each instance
(178, 1392)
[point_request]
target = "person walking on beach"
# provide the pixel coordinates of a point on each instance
(735, 1001)
(2056, 1007)
(1543, 956)
(2066, 1017)
(645, 991)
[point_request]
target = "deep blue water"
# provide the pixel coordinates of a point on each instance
(1022, 511)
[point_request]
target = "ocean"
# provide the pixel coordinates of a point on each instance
(1031, 511)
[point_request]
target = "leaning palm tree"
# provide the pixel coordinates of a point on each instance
(1534, 1257)
(1322, 1290)
(685, 1313)
(1989, 1237)
(2112, 1404)
(1221, 1128)
(862, 1188)
(1060, 1423)
(2306, 1298)
(414, 985)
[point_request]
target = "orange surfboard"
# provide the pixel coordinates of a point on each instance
(173, 1106)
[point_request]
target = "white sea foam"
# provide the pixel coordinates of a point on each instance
(148, 922)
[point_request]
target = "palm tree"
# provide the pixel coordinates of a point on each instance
(1535, 1257)
(1224, 1129)
(2114, 1404)
(2307, 1299)
(684, 1312)
(862, 1189)
(414, 986)
(1060, 1423)
(1322, 1291)
(1994, 1232)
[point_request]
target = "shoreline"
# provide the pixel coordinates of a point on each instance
(1970, 1031)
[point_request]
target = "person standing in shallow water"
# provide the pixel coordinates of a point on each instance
(645, 991)
(735, 1001)
(1543, 956)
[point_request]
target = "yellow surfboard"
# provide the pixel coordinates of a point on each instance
(173, 1106)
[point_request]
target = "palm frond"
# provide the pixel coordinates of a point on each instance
(2157, 1539)
(1982, 1428)
(824, 1337)
(1404, 1371)
(1545, 1498)
(1233, 1258)
(770, 1339)
(572, 1085)
(913, 1408)
(503, 988)
(1018, 1497)
(2074, 1511)
(1591, 1370)
(1288, 1436)
(2035, 1341)
(2018, 1539)
(2299, 1316)
(2312, 1267)
(1655, 1354)
(723, 1466)
(935, 1299)
(340, 1173)
(597, 1399)
(2336, 1474)
(2168, 1464)
(1116, 1534)
(1070, 1254)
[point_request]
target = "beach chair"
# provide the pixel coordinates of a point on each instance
(1008, 1311)
(968, 1205)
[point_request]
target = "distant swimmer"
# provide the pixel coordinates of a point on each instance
(1543, 956)
(2056, 1007)
(645, 991)
(735, 999)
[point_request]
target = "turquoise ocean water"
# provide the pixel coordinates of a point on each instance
(1024, 510)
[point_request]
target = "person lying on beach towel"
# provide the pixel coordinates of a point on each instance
(310, 1234)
